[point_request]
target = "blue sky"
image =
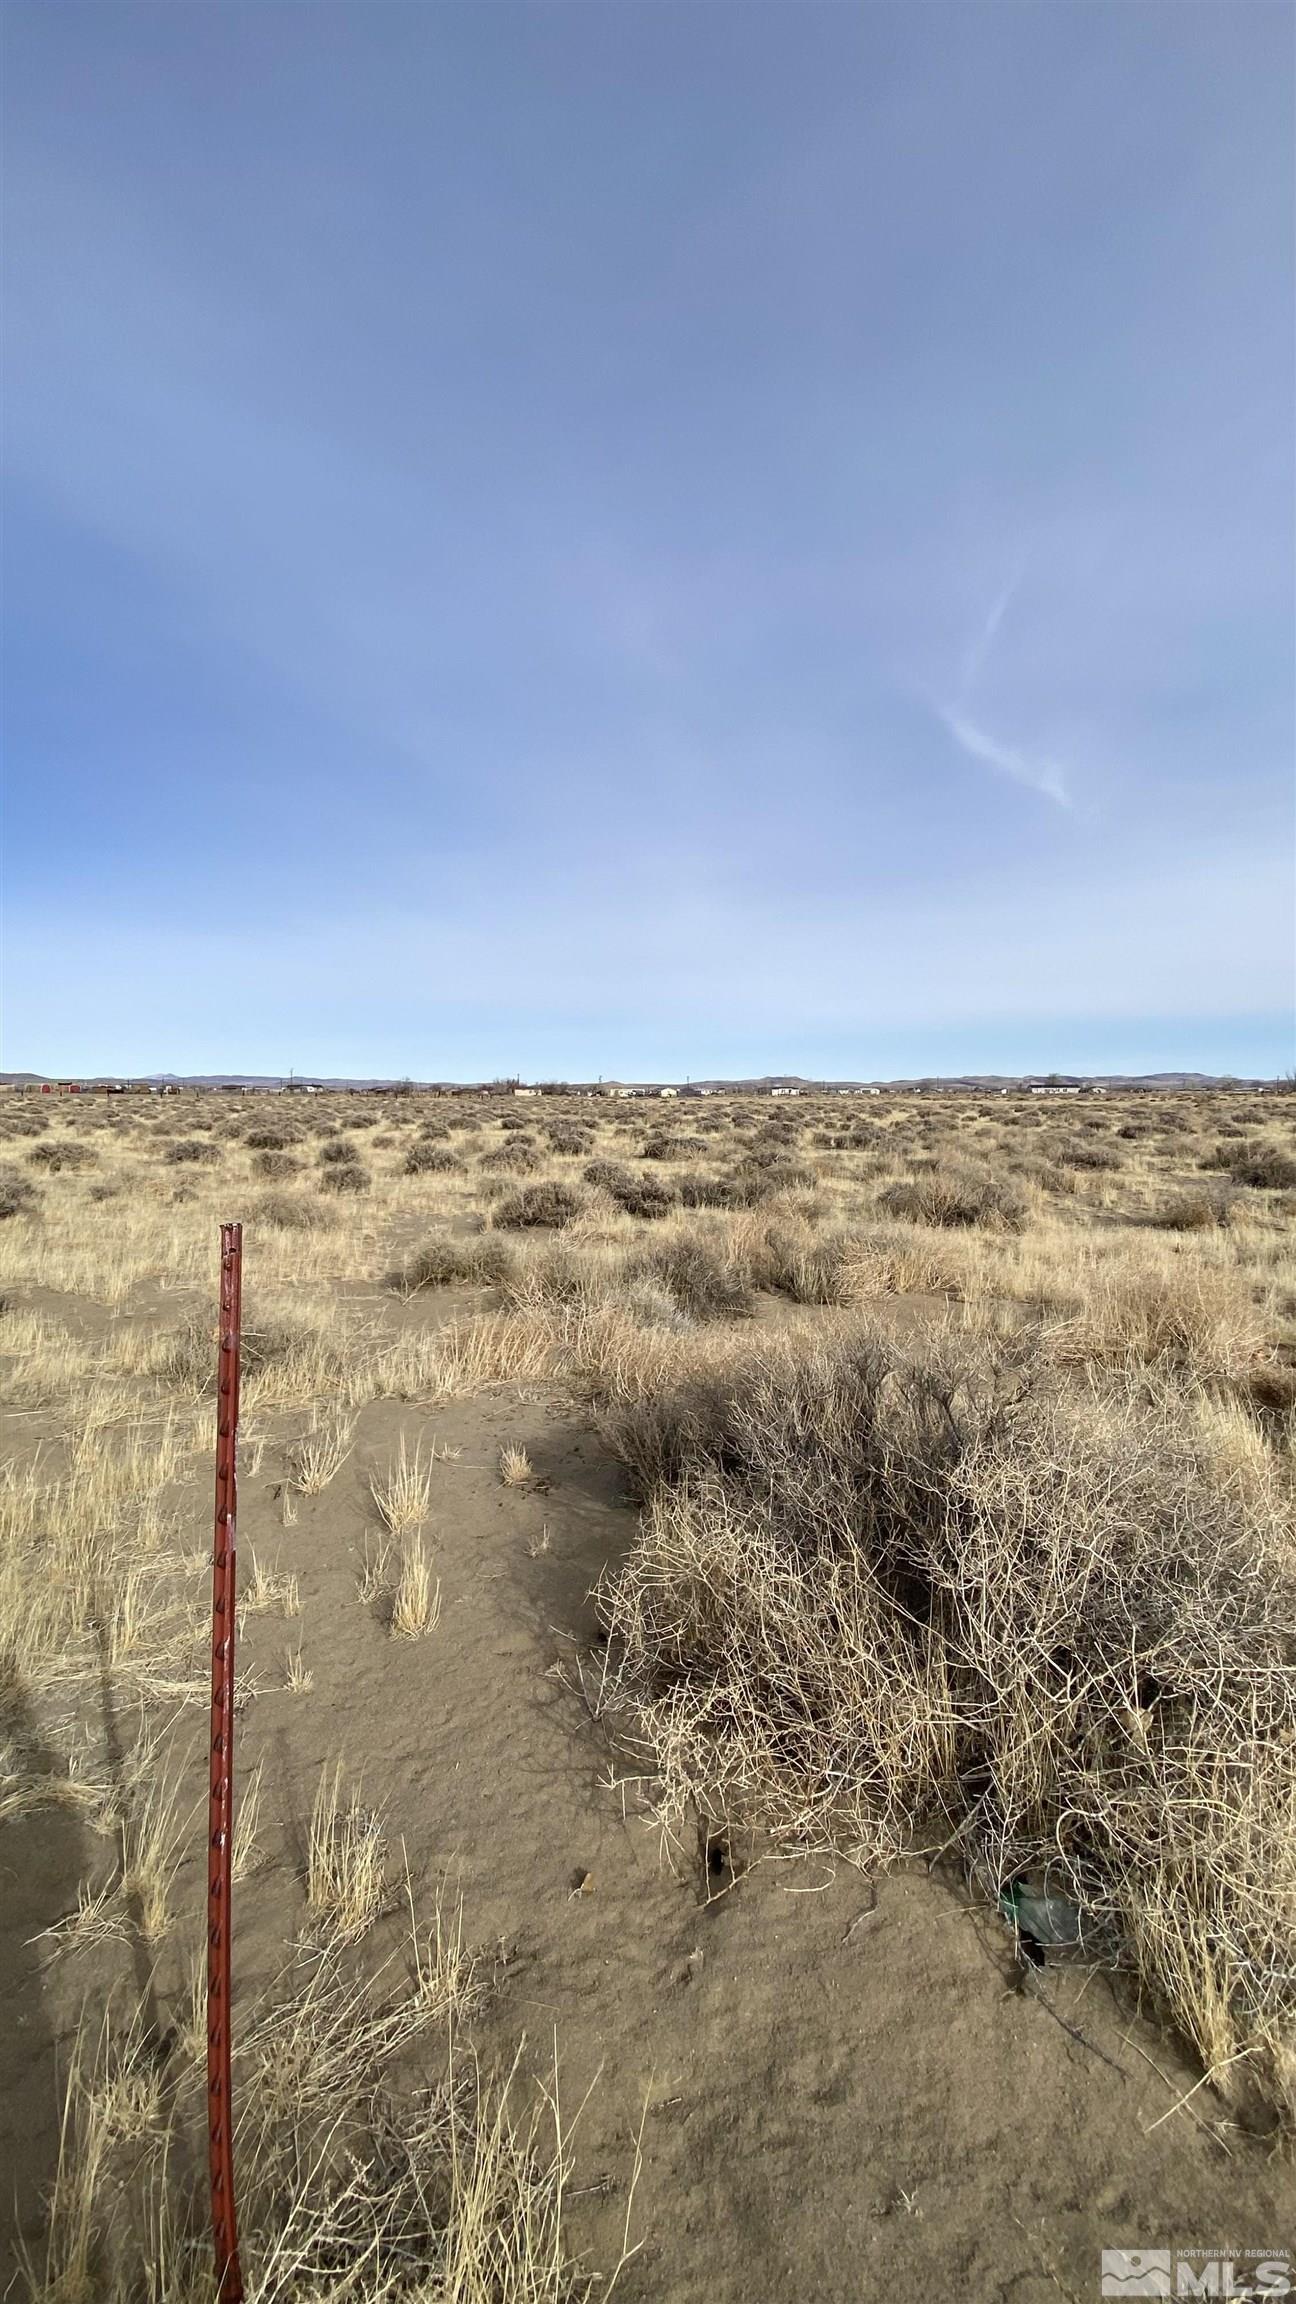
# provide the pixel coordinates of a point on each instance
(649, 540)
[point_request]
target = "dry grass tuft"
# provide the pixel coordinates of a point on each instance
(404, 1494)
(1184, 1317)
(319, 1456)
(416, 1604)
(154, 1841)
(515, 1467)
(245, 1856)
(350, 2187)
(297, 1673)
(346, 1882)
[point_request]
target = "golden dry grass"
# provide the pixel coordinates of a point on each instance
(1090, 1395)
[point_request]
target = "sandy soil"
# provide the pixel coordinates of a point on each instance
(840, 2095)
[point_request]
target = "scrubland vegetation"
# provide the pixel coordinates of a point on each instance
(962, 1433)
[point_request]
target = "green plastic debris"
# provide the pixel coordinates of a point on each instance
(1044, 1915)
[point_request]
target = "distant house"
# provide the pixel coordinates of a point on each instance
(668, 1091)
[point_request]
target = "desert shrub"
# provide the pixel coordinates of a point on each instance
(1273, 1389)
(194, 1152)
(764, 1155)
(345, 1176)
(289, 1211)
(273, 1163)
(956, 1197)
(1089, 1156)
(63, 1154)
(606, 1175)
(550, 1204)
(520, 1159)
(424, 1159)
(1045, 1173)
(873, 1600)
(699, 1278)
(337, 1153)
(514, 1120)
(18, 1195)
(272, 1136)
(710, 1192)
(635, 1194)
(664, 1147)
(567, 1136)
(1194, 1212)
(647, 1197)
(808, 1269)
(484, 1261)
(765, 1175)
(1265, 1167)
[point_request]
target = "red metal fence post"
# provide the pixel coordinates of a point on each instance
(220, 1813)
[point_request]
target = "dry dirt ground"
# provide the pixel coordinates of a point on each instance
(801, 2082)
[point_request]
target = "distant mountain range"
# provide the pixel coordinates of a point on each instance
(972, 1082)
(989, 1080)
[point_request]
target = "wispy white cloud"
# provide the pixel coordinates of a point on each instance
(975, 659)
(1029, 768)
(1038, 774)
